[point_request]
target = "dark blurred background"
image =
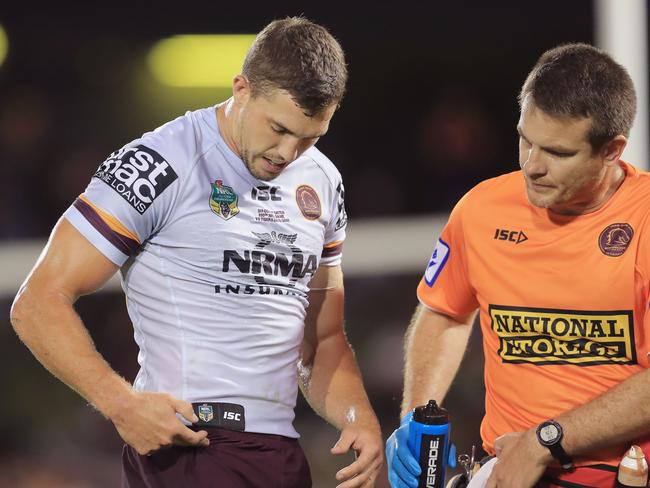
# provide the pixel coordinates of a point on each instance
(431, 110)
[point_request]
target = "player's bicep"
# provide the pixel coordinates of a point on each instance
(324, 317)
(69, 266)
(326, 278)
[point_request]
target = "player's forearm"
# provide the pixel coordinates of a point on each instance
(48, 325)
(616, 417)
(434, 348)
(332, 384)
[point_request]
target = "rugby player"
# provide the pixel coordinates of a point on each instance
(226, 225)
(555, 258)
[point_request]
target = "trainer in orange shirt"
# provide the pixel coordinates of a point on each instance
(555, 258)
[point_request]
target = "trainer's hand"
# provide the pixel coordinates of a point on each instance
(147, 422)
(367, 444)
(403, 469)
(521, 461)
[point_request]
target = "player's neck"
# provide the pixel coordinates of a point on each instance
(225, 120)
(615, 180)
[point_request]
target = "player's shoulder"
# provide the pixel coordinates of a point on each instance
(638, 181)
(318, 166)
(180, 142)
(632, 199)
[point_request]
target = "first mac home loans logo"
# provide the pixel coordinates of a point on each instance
(138, 174)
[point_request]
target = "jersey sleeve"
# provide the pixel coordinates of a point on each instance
(445, 286)
(127, 200)
(335, 232)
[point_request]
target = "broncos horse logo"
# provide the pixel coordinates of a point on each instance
(615, 239)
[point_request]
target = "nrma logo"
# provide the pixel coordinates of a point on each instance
(265, 263)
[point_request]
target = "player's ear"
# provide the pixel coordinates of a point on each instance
(241, 90)
(611, 152)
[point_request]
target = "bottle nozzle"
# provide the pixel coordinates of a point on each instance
(430, 414)
(431, 408)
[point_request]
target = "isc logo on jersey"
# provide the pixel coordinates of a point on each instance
(139, 174)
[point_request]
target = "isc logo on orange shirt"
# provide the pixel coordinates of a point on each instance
(516, 236)
(545, 336)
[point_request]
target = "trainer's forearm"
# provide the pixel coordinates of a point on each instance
(49, 326)
(332, 384)
(434, 347)
(616, 417)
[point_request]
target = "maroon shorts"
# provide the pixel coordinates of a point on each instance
(232, 460)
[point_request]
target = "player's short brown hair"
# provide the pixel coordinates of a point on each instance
(301, 57)
(579, 80)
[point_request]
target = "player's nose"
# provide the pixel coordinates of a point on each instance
(288, 148)
(532, 163)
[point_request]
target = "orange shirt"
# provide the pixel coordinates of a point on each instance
(562, 299)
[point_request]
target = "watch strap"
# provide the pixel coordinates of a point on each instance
(558, 452)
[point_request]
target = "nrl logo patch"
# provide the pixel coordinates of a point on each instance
(205, 412)
(223, 200)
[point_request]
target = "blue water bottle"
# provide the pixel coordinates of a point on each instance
(429, 442)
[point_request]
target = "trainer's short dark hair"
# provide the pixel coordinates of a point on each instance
(579, 80)
(301, 57)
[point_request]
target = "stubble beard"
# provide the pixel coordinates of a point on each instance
(248, 162)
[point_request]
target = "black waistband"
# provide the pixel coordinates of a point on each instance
(216, 414)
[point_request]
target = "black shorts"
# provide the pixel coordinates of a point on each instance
(232, 460)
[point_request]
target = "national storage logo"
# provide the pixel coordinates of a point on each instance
(545, 336)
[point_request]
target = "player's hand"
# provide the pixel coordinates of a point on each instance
(367, 444)
(521, 461)
(403, 468)
(147, 422)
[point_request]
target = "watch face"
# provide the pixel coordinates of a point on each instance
(549, 433)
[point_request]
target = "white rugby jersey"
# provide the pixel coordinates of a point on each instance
(215, 263)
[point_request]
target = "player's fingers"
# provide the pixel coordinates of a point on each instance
(343, 444)
(360, 470)
(185, 409)
(370, 482)
(187, 437)
(361, 479)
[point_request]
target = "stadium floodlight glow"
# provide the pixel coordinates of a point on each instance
(4, 45)
(199, 60)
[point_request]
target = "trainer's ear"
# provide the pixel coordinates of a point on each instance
(611, 152)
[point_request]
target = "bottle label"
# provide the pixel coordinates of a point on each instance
(432, 461)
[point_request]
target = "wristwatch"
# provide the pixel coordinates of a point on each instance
(549, 434)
